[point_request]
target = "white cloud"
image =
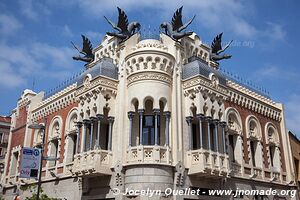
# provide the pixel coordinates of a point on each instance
(33, 9)
(292, 114)
(58, 56)
(273, 72)
(21, 63)
(216, 15)
(9, 79)
(95, 36)
(67, 31)
(27, 9)
(9, 25)
(275, 31)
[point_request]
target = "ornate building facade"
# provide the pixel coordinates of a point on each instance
(152, 114)
(295, 146)
(4, 134)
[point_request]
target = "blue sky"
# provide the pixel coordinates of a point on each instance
(35, 41)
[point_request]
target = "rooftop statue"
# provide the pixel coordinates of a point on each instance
(175, 29)
(86, 50)
(216, 49)
(125, 29)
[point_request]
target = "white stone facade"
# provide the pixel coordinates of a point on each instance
(155, 114)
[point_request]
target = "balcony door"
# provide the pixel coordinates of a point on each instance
(149, 129)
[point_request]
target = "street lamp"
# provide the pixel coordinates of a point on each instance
(41, 127)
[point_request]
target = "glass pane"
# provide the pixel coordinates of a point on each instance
(149, 121)
(152, 136)
(145, 136)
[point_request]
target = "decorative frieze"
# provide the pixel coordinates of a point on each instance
(253, 101)
(200, 83)
(100, 81)
(55, 103)
(149, 76)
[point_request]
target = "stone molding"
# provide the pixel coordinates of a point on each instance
(195, 81)
(100, 81)
(149, 76)
(252, 101)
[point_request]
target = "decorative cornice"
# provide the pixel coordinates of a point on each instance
(54, 103)
(248, 92)
(58, 95)
(204, 84)
(100, 81)
(248, 99)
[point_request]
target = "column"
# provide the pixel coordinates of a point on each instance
(189, 122)
(167, 114)
(208, 119)
(130, 116)
(78, 126)
(141, 112)
(99, 118)
(111, 121)
(216, 124)
(156, 112)
(83, 147)
(93, 119)
(200, 118)
(223, 125)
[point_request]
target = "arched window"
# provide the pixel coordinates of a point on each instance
(274, 148)
(149, 124)
(55, 133)
(104, 129)
(71, 135)
(135, 123)
(195, 129)
(254, 138)
(37, 138)
(234, 136)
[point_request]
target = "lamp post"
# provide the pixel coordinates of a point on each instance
(42, 128)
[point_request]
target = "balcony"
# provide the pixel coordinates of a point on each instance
(149, 155)
(236, 169)
(207, 163)
(257, 172)
(92, 162)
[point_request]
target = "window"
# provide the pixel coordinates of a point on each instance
(74, 140)
(104, 135)
(235, 144)
(253, 151)
(272, 151)
(53, 152)
(71, 148)
(212, 137)
(195, 128)
(1, 137)
(14, 163)
(149, 129)
(231, 148)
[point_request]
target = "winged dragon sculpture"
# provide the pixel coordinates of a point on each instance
(124, 29)
(87, 51)
(175, 29)
(216, 49)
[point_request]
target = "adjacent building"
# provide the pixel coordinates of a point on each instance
(152, 113)
(295, 145)
(4, 133)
